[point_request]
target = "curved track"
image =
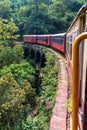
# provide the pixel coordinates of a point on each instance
(58, 120)
(59, 116)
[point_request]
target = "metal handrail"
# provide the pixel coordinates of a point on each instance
(75, 79)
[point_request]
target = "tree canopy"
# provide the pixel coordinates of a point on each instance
(20, 100)
(36, 16)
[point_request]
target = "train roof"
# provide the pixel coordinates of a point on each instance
(43, 35)
(60, 34)
(82, 10)
(29, 35)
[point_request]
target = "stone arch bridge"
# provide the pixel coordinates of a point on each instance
(35, 52)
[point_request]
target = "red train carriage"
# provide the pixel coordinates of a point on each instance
(29, 38)
(43, 40)
(58, 42)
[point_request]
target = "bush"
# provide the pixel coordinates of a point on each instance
(21, 72)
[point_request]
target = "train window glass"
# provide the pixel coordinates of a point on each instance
(60, 41)
(57, 40)
(42, 38)
(85, 28)
(84, 24)
(69, 46)
(70, 51)
(70, 39)
(75, 34)
(67, 43)
(57, 37)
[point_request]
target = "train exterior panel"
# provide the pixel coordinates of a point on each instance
(29, 38)
(43, 40)
(58, 41)
(77, 27)
(70, 37)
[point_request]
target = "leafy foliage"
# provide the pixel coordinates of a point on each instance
(5, 9)
(69, 105)
(46, 96)
(15, 97)
(21, 72)
(45, 17)
(11, 99)
(39, 16)
(8, 30)
(9, 55)
(18, 97)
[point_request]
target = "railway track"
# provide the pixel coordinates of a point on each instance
(60, 117)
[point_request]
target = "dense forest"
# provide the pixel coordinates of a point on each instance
(24, 106)
(18, 17)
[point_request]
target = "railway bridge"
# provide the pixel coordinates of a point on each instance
(59, 116)
(35, 52)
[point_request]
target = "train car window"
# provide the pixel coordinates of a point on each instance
(76, 34)
(42, 38)
(57, 40)
(85, 28)
(61, 41)
(70, 51)
(84, 24)
(67, 43)
(71, 39)
(57, 37)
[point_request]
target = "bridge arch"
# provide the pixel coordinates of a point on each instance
(38, 56)
(32, 53)
(35, 52)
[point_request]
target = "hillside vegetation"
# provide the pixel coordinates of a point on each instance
(24, 105)
(18, 17)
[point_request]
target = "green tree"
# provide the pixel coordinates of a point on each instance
(57, 16)
(71, 9)
(15, 100)
(33, 20)
(9, 55)
(8, 31)
(21, 72)
(11, 99)
(5, 9)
